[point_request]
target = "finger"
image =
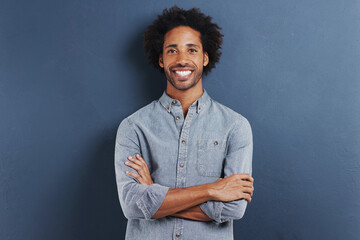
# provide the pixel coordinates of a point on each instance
(143, 163)
(135, 160)
(248, 187)
(247, 177)
(141, 159)
(139, 166)
(248, 191)
(247, 197)
(133, 165)
(137, 176)
(246, 184)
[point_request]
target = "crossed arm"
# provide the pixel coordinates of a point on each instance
(220, 201)
(196, 194)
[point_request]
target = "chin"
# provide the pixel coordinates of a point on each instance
(181, 85)
(187, 85)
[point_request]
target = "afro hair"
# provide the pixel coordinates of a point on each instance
(211, 38)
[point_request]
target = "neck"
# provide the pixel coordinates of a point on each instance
(186, 97)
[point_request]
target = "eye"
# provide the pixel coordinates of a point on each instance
(192, 50)
(171, 51)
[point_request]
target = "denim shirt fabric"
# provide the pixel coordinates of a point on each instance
(213, 141)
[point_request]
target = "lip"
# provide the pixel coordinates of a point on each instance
(181, 77)
(182, 69)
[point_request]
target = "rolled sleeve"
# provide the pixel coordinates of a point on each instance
(213, 209)
(238, 160)
(137, 201)
(151, 200)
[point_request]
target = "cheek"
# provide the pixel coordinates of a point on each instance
(167, 62)
(200, 63)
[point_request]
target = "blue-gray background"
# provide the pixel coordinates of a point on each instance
(70, 71)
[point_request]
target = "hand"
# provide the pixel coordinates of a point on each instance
(142, 168)
(236, 186)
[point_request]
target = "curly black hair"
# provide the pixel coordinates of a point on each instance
(211, 38)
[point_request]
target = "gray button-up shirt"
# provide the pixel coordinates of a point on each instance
(213, 141)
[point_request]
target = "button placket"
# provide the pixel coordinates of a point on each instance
(178, 228)
(178, 231)
(184, 135)
(181, 169)
(176, 112)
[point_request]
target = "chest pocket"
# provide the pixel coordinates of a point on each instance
(210, 157)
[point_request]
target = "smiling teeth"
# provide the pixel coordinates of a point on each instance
(183, 73)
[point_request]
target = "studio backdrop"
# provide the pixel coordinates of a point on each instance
(71, 70)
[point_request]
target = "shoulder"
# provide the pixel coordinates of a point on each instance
(140, 114)
(229, 114)
(143, 112)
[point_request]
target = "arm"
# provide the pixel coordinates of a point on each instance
(236, 186)
(154, 201)
(193, 213)
(238, 160)
(178, 202)
(141, 201)
(137, 201)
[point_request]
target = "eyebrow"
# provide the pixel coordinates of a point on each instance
(188, 44)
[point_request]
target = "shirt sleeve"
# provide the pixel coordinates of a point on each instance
(238, 160)
(137, 201)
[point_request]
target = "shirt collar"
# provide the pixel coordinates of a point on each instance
(168, 102)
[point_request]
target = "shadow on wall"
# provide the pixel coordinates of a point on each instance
(99, 215)
(89, 195)
(152, 83)
(99, 207)
(150, 86)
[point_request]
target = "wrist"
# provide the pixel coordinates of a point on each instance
(211, 191)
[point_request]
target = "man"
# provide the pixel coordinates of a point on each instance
(183, 162)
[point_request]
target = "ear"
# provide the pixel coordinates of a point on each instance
(206, 59)
(161, 63)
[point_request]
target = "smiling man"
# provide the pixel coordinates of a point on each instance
(183, 162)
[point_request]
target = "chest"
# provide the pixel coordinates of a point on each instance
(185, 153)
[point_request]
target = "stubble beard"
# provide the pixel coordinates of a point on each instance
(192, 82)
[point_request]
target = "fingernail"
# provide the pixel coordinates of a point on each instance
(129, 157)
(126, 162)
(127, 172)
(137, 155)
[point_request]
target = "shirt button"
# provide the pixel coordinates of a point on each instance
(181, 164)
(183, 141)
(177, 117)
(174, 101)
(168, 108)
(216, 143)
(178, 234)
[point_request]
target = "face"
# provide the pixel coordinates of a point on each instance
(183, 58)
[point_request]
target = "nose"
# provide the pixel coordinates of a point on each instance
(182, 58)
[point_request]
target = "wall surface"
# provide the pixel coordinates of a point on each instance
(70, 71)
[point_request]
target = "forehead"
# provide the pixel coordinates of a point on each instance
(182, 35)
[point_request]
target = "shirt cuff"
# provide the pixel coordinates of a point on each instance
(152, 199)
(213, 209)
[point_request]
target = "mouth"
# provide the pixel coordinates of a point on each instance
(183, 74)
